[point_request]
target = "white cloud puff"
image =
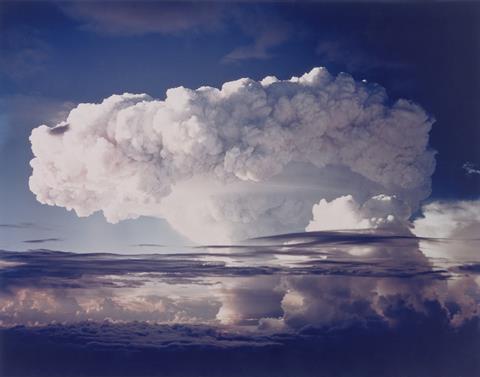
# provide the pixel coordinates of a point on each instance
(344, 213)
(209, 160)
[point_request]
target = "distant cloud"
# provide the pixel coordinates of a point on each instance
(139, 18)
(43, 240)
(471, 168)
(15, 226)
(132, 18)
(24, 225)
(148, 245)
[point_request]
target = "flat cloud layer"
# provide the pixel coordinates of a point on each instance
(222, 164)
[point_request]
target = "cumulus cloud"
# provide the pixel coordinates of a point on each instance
(381, 211)
(248, 159)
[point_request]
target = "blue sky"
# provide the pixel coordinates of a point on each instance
(55, 55)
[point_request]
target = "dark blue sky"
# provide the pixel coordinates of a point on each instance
(54, 55)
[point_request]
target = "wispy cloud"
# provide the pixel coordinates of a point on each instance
(347, 54)
(471, 168)
(134, 18)
(23, 225)
(43, 240)
(148, 245)
(266, 31)
(261, 47)
(127, 18)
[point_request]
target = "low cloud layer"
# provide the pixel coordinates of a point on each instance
(277, 284)
(245, 160)
(422, 346)
(335, 296)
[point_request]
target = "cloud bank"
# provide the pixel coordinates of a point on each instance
(245, 160)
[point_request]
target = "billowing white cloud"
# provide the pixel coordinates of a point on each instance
(380, 211)
(248, 159)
